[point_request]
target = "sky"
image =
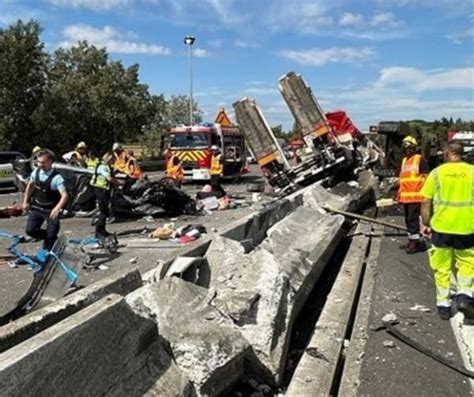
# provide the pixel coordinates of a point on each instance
(375, 59)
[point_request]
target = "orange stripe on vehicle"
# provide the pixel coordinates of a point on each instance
(266, 159)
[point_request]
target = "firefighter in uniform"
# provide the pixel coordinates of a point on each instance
(101, 182)
(217, 170)
(120, 158)
(412, 177)
(79, 156)
(45, 197)
(448, 210)
(174, 169)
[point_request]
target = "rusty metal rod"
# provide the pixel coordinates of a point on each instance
(365, 218)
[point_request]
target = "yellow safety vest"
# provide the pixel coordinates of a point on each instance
(99, 180)
(453, 199)
(216, 165)
(92, 162)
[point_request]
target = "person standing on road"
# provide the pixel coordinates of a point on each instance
(448, 211)
(45, 197)
(101, 181)
(412, 177)
(217, 170)
(175, 170)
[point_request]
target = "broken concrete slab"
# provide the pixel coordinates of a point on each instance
(105, 348)
(206, 345)
(264, 290)
(25, 327)
(303, 242)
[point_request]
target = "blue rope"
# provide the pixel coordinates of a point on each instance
(70, 274)
(42, 256)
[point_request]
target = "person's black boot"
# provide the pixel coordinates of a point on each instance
(444, 313)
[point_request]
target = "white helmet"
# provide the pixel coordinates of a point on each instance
(215, 148)
(116, 146)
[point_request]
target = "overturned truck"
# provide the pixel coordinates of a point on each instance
(325, 158)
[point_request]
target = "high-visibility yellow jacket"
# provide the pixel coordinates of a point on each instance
(98, 180)
(411, 180)
(216, 165)
(451, 189)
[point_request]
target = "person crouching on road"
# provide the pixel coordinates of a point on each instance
(217, 170)
(175, 170)
(101, 182)
(448, 209)
(412, 177)
(45, 197)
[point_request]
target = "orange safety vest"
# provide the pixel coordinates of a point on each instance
(411, 180)
(176, 172)
(121, 162)
(133, 169)
(216, 166)
(169, 164)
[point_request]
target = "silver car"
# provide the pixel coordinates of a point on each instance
(8, 177)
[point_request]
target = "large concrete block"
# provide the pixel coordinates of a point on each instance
(316, 197)
(25, 327)
(205, 344)
(303, 242)
(105, 349)
(264, 290)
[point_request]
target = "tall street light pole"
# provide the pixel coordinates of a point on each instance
(189, 41)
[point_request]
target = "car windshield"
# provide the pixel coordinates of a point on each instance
(194, 140)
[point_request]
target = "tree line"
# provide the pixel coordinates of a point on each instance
(58, 99)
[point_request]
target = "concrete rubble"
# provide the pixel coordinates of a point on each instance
(202, 321)
(206, 345)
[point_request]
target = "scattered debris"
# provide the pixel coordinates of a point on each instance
(390, 318)
(389, 344)
(420, 308)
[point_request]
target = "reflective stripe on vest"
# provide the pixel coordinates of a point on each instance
(121, 162)
(216, 166)
(411, 180)
(453, 200)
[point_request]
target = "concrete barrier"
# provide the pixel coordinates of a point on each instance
(320, 362)
(105, 348)
(35, 322)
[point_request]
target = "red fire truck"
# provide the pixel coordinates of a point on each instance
(192, 145)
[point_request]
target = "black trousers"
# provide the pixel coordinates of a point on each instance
(36, 218)
(217, 187)
(412, 219)
(102, 197)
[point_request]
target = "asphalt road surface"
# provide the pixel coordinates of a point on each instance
(15, 281)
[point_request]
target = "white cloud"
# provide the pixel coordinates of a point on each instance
(458, 37)
(245, 44)
(385, 20)
(350, 19)
(110, 38)
(323, 56)
(95, 5)
(200, 53)
(426, 80)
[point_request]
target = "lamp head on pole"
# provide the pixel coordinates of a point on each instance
(189, 40)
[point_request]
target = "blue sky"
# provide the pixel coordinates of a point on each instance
(376, 59)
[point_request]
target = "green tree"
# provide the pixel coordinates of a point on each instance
(23, 65)
(178, 111)
(154, 137)
(90, 98)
